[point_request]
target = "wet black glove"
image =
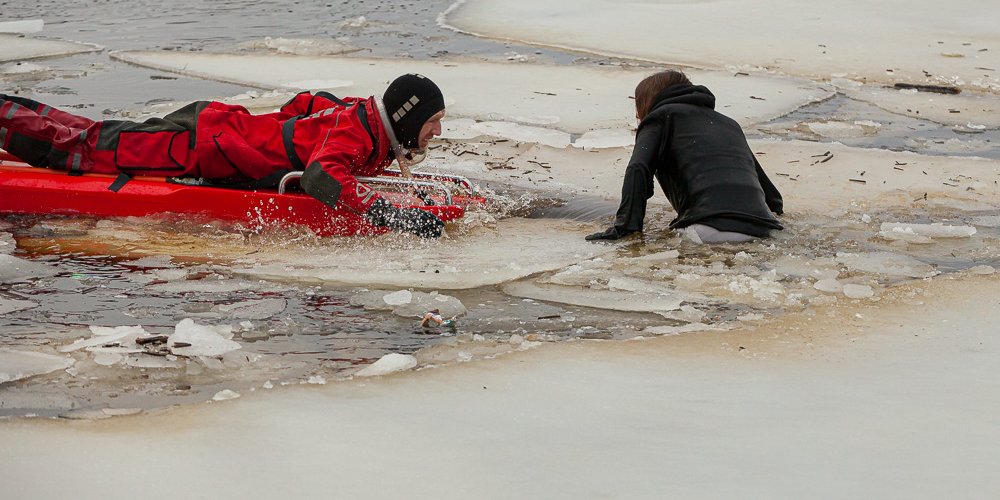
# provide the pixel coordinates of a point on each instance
(611, 233)
(412, 220)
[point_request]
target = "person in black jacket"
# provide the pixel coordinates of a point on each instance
(702, 162)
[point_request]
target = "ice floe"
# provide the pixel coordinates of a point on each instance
(813, 38)
(22, 27)
(18, 48)
(17, 365)
(580, 98)
(15, 269)
(7, 243)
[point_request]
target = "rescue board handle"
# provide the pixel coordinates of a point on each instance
(385, 181)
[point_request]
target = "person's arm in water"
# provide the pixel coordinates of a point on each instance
(771, 195)
(637, 186)
(328, 178)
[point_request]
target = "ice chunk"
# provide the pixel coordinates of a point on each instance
(11, 305)
(886, 263)
(906, 231)
(102, 335)
(7, 243)
(199, 340)
(14, 269)
(858, 291)
(16, 365)
(390, 363)
(605, 138)
(225, 395)
(398, 298)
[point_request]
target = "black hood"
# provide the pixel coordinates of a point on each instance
(697, 95)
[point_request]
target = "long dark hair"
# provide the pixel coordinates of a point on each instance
(652, 85)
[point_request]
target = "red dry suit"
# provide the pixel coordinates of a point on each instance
(330, 139)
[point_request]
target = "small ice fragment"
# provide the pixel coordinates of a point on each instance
(607, 138)
(225, 394)
(268, 385)
(866, 218)
(828, 285)
(316, 379)
(191, 339)
(107, 358)
(392, 362)
(982, 270)
(858, 291)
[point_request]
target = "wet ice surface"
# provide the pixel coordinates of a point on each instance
(221, 331)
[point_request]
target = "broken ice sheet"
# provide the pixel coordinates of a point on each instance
(17, 365)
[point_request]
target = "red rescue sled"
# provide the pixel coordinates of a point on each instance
(28, 190)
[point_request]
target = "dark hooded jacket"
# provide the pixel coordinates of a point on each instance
(704, 165)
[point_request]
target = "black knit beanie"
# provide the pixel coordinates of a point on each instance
(409, 101)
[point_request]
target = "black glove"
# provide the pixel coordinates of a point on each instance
(413, 220)
(611, 233)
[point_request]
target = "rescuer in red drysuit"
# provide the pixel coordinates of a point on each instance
(330, 140)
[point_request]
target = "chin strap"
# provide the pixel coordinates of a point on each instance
(397, 149)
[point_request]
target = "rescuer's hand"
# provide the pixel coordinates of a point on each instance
(412, 220)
